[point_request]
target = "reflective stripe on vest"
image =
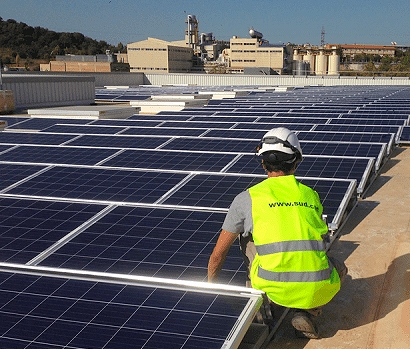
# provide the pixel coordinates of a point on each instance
(303, 276)
(289, 246)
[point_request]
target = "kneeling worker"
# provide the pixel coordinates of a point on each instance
(280, 228)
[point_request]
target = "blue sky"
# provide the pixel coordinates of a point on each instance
(299, 22)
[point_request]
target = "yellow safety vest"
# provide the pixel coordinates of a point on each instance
(291, 265)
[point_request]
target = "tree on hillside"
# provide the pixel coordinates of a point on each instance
(18, 38)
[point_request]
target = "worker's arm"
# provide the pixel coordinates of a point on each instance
(219, 253)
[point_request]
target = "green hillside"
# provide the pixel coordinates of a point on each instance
(23, 45)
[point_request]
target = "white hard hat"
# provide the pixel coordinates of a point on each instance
(280, 139)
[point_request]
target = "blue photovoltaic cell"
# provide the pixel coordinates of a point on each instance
(236, 133)
(119, 141)
(370, 115)
(358, 128)
(158, 118)
(366, 121)
(42, 123)
(211, 190)
(292, 119)
(198, 124)
(57, 155)
(84, 129)
(268, 126)
(219, 191)
(170, 160)
(234, 118)
(39, 312)
(343, 149)
(131, 98)
(12, 173)
(11, 120)
(28, 227)
(149, 122)
(245, 112)
(209, 109)
(216, 145)
(189, 112)
(5, 147)
(309, 115)
(405, 135)
(99, 184)
(151, 242)
(346, 137)
(311, 166)
(164, 131)
(33, 138)
(374, 115)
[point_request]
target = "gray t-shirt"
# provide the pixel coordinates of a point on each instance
(238, 220)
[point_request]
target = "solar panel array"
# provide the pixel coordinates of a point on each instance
(145, 197)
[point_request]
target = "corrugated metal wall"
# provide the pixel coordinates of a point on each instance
(266, 80)
(41, 91)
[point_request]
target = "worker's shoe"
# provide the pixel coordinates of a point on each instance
(304, 325)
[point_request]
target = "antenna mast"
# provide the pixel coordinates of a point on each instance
(322, 37)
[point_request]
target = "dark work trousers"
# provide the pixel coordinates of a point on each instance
(248, 250)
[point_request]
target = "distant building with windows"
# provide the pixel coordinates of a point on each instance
(159, 56)
(262, 57)
(351, 50)
(100, 63)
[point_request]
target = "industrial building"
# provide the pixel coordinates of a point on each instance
(255, 55)
(310, 60)
(101, 63)
(155, 55)
(201, 52)
(351, 50)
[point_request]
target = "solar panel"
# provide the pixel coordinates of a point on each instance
(84, 129)
(266, 126)
(218, 191)
(12, 120)
(199, 124)
(154, 242)
(56, 155)
(405, 135)
(119, 141)
(28, 227)
(359, 128)
(151, 203)
(359, 114)
(292, 119)
(387, 138)
(307, 114)
(170, 160)
(56, 309)
(213, 191)
(378, 151)
(12, 173)
(144, 122)
(211, 144)
(164, 131)
(33, 138)
(233, 118)
(188, 111)
(42, 123)
(99, 184)
(4, 148)
(243, 113)
(357, 168)
(235, 133)
(367, 121)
